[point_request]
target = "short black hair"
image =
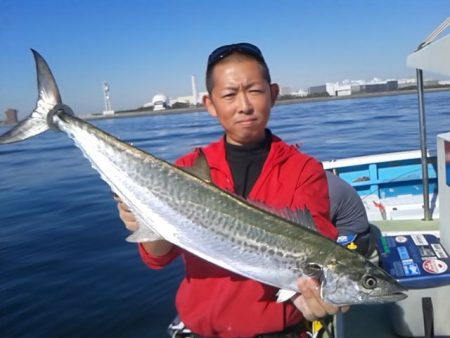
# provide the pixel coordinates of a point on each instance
(223, 52)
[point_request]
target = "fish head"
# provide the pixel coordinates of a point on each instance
(358, 281)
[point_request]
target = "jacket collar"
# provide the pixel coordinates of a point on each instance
(279, 152)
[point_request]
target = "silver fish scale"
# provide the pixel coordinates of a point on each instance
(198, 216)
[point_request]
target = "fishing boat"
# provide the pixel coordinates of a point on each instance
(391, 184)
(407, 196)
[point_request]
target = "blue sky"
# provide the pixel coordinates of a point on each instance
(146, 47)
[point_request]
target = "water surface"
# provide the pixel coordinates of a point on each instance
(66, 270)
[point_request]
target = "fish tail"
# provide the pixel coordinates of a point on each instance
(47, 105)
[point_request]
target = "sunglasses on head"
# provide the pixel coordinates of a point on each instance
(243, 47)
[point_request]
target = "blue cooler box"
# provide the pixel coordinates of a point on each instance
(420, 263)
(416, 260)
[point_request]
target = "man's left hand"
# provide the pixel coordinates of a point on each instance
(309, 302)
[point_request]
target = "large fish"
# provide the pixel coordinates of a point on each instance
(192, 213)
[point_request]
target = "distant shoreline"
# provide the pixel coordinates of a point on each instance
(137, 113)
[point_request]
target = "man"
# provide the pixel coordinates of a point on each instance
(348, 214)
(251, 162)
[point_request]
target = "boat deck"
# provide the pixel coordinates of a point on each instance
(407, 225)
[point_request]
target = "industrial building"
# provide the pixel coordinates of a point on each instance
(353, 87)
(11, 116)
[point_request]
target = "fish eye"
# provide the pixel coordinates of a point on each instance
(369, 282)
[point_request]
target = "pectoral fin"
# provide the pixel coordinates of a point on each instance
(143, 234)
(284, 295)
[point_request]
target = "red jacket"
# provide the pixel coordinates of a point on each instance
(215, 302)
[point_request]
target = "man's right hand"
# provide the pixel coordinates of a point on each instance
(156, 248)
(126, 215)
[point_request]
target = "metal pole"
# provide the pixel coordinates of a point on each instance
(423, 146)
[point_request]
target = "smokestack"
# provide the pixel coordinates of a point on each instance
(11, 116)
(108, 110)
(194, 90)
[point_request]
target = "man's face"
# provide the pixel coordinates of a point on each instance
(241, 99)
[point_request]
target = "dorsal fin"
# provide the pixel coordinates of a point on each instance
(200, 168)
(299, 217)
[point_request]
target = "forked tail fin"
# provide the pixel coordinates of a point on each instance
(40, 118)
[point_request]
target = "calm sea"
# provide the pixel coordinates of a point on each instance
(65, 268)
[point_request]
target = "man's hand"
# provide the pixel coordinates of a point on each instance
(309, 302)
(125, 215)
(156, 248)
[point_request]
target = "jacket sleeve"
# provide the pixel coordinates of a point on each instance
(312, 193)
(158, 262)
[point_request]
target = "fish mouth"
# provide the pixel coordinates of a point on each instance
(395, 293)
(391, 297)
